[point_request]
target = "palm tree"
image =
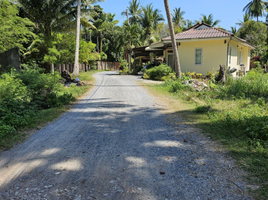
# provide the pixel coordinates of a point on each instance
(174, 45)
(208, 20)
(177, 18)
(246, 17)
(234, 31)
(76, 55)
(149, 19)
(130, 37)
(134, 11)
(255, 8)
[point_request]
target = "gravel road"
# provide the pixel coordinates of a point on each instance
(117, 144)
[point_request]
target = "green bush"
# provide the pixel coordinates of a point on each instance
(22, 95)
(156, 73)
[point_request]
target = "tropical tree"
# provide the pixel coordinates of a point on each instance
(14, 30)
(246, 17)
(208, 20)
(130, 37)
(254, 32)
(234, 31)
(76, 57)
(134, 11)
(149, 19)
(256, 8)
(76, 64)
(173, 40)
(177, 18)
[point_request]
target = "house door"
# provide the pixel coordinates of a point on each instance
(170, 61)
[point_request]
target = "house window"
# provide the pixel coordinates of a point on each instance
(241, 58)
(198, 56)
(230, 55)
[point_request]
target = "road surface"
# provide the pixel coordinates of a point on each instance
(117, 144)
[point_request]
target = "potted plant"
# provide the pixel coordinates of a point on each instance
(198, 75)
(193, 75)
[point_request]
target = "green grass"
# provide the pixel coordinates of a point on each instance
(42, 117)
(236, 120)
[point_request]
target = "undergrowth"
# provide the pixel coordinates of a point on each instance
(26, 96)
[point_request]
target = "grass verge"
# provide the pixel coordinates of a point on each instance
(43, 117)
(230, 121)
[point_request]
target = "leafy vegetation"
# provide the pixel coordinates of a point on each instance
(14, 30)
(25, 97)
(159, 72)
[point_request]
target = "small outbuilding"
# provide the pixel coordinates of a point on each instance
(203, 48)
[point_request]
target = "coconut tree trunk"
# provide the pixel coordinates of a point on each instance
(76, 65)
(174, 45)
(129, 59)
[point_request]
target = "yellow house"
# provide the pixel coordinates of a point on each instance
(203, 48)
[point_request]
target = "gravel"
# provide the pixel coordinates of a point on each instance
(117, 144)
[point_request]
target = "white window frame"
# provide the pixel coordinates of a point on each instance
(195, 56)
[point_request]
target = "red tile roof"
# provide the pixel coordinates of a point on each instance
(194, 33)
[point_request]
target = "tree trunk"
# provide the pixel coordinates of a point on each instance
(76, 65)
(174, 45)
(100, 42)
(52, 69)
(129, 59)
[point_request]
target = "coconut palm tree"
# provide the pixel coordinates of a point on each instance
(149, 19)
(134, 11)
(246, 17)
(208, 20)
(255, 8)
(130, 37)
(234, 31)
(173, 40)
(177, 18)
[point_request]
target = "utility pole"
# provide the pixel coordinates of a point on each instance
(76, 58)
(174, 44)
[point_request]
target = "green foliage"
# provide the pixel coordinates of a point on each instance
(22, 95)
(156, 73)
(254, 32)
(14, 30)
(255, 83)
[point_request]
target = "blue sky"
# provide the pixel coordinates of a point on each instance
(228, 12)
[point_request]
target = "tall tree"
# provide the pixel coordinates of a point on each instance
(177, 18)
(78, 16)
(14, 30)
(76, 57)
(130, 37)
(149, 19)
(246, 17)
(208, 20)
(173, 40)
(234, 31)
(134, 11)
(256, 8)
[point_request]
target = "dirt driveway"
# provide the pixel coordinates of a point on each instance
(116, 144)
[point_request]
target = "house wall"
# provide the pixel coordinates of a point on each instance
(214, 53)
(237, 49)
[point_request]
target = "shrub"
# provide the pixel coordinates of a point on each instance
(156, 73)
